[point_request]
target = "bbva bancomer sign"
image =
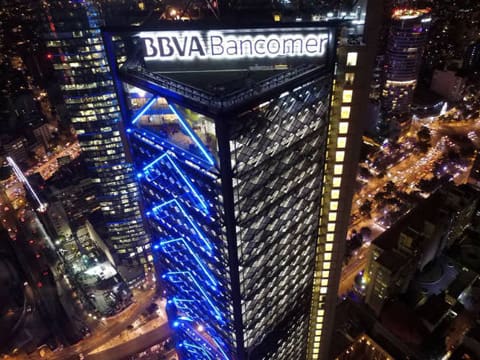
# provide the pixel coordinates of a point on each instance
(233, 44)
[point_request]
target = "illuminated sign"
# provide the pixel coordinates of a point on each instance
(233, 44)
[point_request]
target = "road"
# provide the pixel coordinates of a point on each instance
(112, 327)
(359, 261)
(47, 168)
(157, 335)
(15, 190)
(404, 174)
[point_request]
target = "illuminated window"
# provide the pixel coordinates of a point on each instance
(327, 256)
(343, 128)
(338, 169)
(335, 194)
(352, 58)
(339, 156)
(332, 216)
(334, 205)
(345, 112)
(347, 96)
(329, 237)
(337, 181)
(341, 142)
(328, 247)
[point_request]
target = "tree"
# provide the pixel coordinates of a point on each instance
(366, 208)
(390, 187)
(424, 135)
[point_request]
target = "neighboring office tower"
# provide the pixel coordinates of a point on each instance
(78, 56)
(406, 41)
(240, 161)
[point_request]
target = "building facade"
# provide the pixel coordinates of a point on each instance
(77, 53)
(246, 180)
(406, 40)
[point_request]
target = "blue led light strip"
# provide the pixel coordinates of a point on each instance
(194, 136)
(154, 140)
(154, 162)
(145, 108)
(163, 244)
(189, 219)
(182, 175)
(208, 344)
(217, 315)
(197, 350)
(220, 348)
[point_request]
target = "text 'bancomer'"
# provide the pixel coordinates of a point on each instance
(189, 45)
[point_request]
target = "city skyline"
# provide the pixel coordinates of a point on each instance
(239, 180)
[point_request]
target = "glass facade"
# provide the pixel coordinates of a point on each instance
(175, 152)
(77, 52)
(277, 155)
(235, 186)
(276, 151)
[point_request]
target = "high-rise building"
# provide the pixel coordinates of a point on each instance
(245, 142)
(406, 39)
(77, 53)
(471, 60)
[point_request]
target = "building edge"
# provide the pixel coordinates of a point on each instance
(348, 109)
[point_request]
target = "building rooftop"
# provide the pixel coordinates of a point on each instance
(392, 260)
(462, 282)
(364, 348)
(408, 14)
(434, 310)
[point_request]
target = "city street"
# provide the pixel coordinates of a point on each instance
(111, 328)
(405, 173)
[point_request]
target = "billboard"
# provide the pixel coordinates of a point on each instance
(233, 48)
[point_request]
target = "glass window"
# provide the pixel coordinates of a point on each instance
(345, 112)
(343, 128)
(352, 58)
(347, 96)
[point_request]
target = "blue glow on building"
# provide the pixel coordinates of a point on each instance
(188, 183)
(233, 184)
(193, 136)
(180, 187)
(168, 247)
(145, 108)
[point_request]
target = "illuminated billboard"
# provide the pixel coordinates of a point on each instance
(227, 45)
(233, 48)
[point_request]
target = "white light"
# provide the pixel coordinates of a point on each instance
(444, 108)
(251, 43)
(41, 206)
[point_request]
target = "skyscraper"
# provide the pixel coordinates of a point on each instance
(406, 40)
(77, 53)
(240, 145)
